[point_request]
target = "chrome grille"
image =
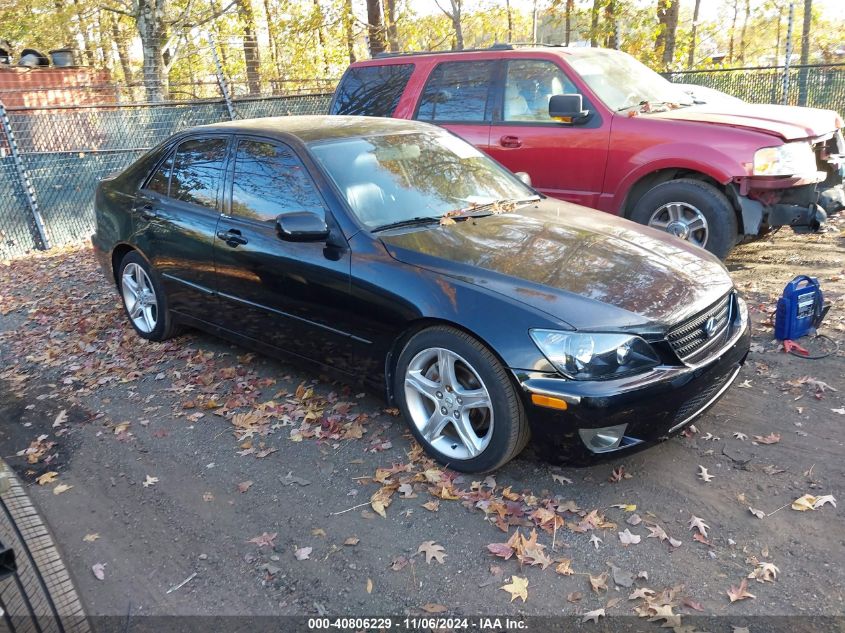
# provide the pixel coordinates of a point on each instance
(690, 339)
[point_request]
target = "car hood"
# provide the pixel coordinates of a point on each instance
(589, 269)
(788, 122)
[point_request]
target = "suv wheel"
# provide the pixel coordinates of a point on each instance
(691, 210)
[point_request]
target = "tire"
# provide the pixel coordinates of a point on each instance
(155, 323)
(40, 595)
(690, 198)
(479, 398)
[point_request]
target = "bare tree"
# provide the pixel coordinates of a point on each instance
(691, 57)
(455, 16)
(375, 27)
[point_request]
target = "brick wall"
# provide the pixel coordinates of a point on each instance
(40, 87)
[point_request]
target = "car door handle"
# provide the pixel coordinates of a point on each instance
(510, 141)
(232, 237)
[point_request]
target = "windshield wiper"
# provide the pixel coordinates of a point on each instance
(478, 210)
(418, 221)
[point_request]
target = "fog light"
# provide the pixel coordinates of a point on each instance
(603, 439)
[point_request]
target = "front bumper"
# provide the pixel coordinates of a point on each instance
(654, 406)
(767, 203)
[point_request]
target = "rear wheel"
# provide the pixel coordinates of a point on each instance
(459, 401)
(691, 210)
(144, 299)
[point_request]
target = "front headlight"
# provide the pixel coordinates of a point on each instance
(785, 160)
(587, 356)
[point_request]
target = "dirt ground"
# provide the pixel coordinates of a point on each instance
(263, 485)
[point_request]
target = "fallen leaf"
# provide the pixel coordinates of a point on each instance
(574, 597)
(740, 436)
(840, 410)
(627, 538)
(432, 551)
(47, 478)
(369, 585)
(741, 592)
(703, 474)
(695, 523)
(641, 593)
(745, 384)
(634, 520)
(244, 486)
(598, 583)
(149, 481)
(432, 506)
(757, 513)
(656, 532)
(765, 572)
(593, 616)
(433, 608)
(61, 488)
(564, 567)
(318, 532)
(303, 553)
(517, 588)
(60, 419)
(771, 438)
(99, 570)
(806, 502)
(407, 491)
(90, 538)
(265, 539)
(561, 479)
(692, 604)
(399, 563)
(595, 540)
(352, 540)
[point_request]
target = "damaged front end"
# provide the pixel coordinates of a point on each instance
(801, 200)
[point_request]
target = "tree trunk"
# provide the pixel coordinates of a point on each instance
(456, 24)
(83, 31)
(570, 5)
(594, 23)
(67, 33)
(392, 31)
(732, 31)
(664, 43)
(805, 52)
(274, 44)
(743, 31)
(150, 25)
(120, 42)
(691, 57)
(510, 20)
(252, 58)
(612, 39)
(348, 27)
(375, 27)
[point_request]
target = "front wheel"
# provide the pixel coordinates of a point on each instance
(691, 210)
(458, 400)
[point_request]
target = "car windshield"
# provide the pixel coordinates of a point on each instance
(415, 177)
(622, 82)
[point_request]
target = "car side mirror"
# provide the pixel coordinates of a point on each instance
(524, 176)
(301, 226)
(568, 109)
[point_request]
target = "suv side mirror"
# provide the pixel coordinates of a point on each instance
(568, 109)
(301, 226)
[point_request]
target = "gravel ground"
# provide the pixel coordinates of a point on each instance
(178, 455)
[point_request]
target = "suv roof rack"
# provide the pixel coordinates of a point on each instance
(498, 46)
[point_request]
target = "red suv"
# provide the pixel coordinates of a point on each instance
(597, 127)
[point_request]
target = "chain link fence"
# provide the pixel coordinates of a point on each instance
(816, 86)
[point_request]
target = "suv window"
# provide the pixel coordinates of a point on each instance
(458, 91)
(269, 180)
(197, 171)
(529, 85)
(371, 90)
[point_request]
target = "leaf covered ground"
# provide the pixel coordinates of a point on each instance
(198, 477)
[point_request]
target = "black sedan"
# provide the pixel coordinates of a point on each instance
(394, 253)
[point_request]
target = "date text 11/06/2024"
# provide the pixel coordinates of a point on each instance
(417, 623)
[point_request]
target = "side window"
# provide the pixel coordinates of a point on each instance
(269, 180)
(197, 171)
(160, 180)
(371, 90)
(529, 85)
(457, 91)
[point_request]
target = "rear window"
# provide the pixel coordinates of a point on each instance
(371, 90)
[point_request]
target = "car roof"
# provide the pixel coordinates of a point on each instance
(503, 51)
(311, 128)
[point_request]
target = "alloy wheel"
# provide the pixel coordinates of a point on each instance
(139, 297)
(682, 220)
(448, 403)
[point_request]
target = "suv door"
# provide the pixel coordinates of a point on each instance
(459, 97)
(564, 161)
(176, 213)
(292, 295)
